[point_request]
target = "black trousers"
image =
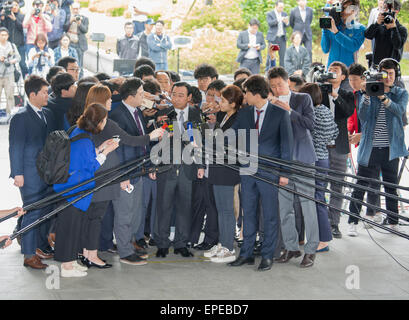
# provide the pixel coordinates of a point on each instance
(91, 226)
(68, 227)
(378, 163)
(203, 203)
(174, 192)
(107, 229)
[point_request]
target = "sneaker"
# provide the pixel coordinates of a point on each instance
(79, 267)
(73, 273)
(352, 230)
(213, 251)
(395, 227)
(367, 225)
(377, 218)
(224, 256)
(133, 259)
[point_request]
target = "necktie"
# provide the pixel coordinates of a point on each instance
(138, 124)
(258, 119)
(41, 114)
(181, 121)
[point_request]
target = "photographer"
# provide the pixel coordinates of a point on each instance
(36, 22)
(382, 141)
(14, 24)
(40, 57)
(341, 104)
(345, 37)
(388, 33)
(76, 30)
(57, 17)
(9, 56)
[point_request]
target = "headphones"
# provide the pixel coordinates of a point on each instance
(397, 66)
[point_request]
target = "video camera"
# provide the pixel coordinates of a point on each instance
(5, 8)
(333, 11)
(320, 76)
(374, 85)
(389, 15)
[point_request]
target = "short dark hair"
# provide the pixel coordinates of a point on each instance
(60, 82)
(113, 86)
(130, 87)
(102, 76)
(174, 76)
(356, 69)
(388, 64)
(298, 80)
(397, 5)
(314, 91)
(196, 95)
(78, 104)
(257, 84)
(87, 79)
(52, 72)
(239, 83)
(128, 23)
(241, 71)
(279, 1)
(343, 67)
(34, 84)
(233, 94)
(183, 84)
(152, 86)
(145, 60)
(254, 22)
(63, 62)
(205, 70)
(143, 70)
(217, 85)
(92, 117)
(277, 72)
(4, 29)
(161, 22)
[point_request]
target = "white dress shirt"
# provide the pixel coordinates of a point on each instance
(332, 108)
(252, 53)
(280, 31)
(185, 117)
(37, 110)
(303, 13)
(132, 111)
(262, 115)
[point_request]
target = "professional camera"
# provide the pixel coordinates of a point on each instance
(374, 85)
(320, 76)
(389, 15)
(77, 17)
(5, 8)
(37, 12)
(334, 11)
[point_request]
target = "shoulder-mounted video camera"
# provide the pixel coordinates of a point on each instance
(333, 11)
(5, 8)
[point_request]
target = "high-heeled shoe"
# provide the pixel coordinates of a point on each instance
(90, 264)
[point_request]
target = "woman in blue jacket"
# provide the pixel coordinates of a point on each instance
(64, 49)
(85, 159)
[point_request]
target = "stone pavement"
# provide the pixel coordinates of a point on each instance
(375, 274)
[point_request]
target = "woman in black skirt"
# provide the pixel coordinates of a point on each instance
(85, 159)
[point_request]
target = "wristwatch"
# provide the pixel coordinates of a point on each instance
(384, 99)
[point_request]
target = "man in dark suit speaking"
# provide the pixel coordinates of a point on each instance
(175, 185)
(251, 44)
(28, 131)
(275, 139)
(300, 20)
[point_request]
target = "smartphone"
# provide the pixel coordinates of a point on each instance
(148, 103)
(116, 138)
(275, 47)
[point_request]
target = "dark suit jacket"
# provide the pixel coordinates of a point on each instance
(276, 135)
(273, 25)
(126, 122)
(27, 135)
(344, 108)
(59, 107)
(294, 60)
(302, 121)
(298, 25)
(243, 43)
(189, 170)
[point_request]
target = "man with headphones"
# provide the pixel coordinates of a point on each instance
(388, 34)
(383, 139)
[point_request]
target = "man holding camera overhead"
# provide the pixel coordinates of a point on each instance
(344, 36)
(36, 22)
(389, 35)
(77, 28)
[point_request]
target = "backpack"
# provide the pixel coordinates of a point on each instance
(53, 162)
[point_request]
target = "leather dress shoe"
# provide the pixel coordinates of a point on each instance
(152, 242)
(288, 255)
(335, 232)
(265, 264)
(114, 249)
(241, 260)
(184, 252)
(162, 252)
(35, 263)
(142, 243)
(257, 249)
(307, 261)
(139, 250)
(44, 255)
(90, 264)
(203, 246)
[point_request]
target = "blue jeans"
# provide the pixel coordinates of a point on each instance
(223, 196)
(161, 66)
(322, 210)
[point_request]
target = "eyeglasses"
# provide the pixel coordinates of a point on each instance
(74, 69)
